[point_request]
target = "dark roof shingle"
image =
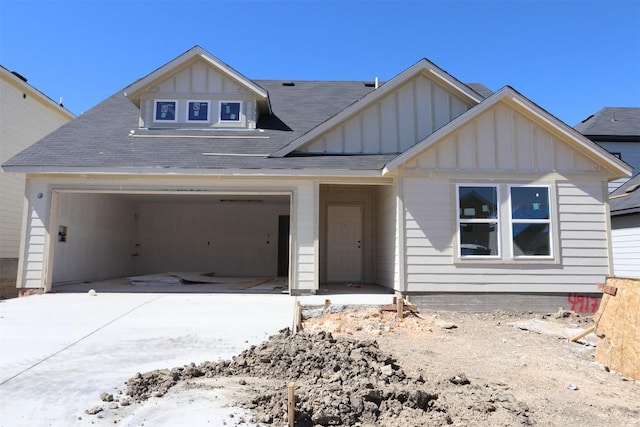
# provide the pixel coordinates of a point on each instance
(107, 136)
(611, 121)
(626, 198)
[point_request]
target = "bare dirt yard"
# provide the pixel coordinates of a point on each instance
(360, 367)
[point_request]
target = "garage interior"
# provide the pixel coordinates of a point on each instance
(101, 236)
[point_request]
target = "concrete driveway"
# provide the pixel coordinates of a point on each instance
(58, 352)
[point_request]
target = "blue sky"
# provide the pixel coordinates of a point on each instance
(571, 57)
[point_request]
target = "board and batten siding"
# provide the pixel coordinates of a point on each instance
(503, 147)
(395, 122)
(502, 139)
(198, 81)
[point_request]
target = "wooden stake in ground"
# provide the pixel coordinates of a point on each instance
(584, 333)
(298, 316)
(400, 309)
(291, 404)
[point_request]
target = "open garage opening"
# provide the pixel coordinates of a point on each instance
(100, 236)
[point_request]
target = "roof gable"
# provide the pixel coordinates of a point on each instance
(197, 57)
(356, 113)
(509, 132)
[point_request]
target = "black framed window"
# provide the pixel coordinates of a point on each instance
(230, 111)
(165, 110)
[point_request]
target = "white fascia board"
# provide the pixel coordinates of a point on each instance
(52, 170)
(518, 101)
(424, 66)
(197, 51)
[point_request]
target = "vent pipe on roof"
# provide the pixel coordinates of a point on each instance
(375, 83)
(20, 76)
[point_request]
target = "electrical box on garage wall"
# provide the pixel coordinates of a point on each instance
(62, 233)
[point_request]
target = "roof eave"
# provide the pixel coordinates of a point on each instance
(161, 171)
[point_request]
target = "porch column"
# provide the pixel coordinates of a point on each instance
(304, 239)
(35, 238)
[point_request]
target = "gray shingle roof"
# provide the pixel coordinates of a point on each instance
(107, 136)
(611, 122)
(626, 199)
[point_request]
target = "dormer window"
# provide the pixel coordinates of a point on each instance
(198, 111)
(165, 110)
(230, 111)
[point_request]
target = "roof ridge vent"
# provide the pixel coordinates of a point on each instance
(288, 84)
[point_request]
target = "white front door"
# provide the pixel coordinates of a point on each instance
(344, 243)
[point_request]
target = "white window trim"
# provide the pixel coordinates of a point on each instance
(548, 221)
(155, 110)
(208, 120)
(228, 102)
(495, 221)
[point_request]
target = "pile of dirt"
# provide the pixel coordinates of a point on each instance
(343, 381)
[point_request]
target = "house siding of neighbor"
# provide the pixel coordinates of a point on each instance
(26, 115)
(617, 130)
(625, 228)
(423, 184)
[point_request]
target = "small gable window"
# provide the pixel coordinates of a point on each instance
(198, 111)
(165, 110)
(230, 111)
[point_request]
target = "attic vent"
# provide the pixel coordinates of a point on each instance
(288, 84)
(20, 76)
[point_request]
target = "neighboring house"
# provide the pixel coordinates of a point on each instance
(26, 115)
(617, 130)
(422, 185)
(625, 228)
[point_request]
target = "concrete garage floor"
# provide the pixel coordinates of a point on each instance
(59, 351)
(237, 285)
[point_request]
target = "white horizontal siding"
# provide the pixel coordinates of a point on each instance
(24, 119)
(430, 227)
(626, 252)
